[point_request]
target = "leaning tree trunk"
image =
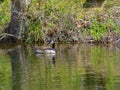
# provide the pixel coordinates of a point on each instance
(93, 3)
(18, 22)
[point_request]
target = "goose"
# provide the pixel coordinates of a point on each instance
(45, 50)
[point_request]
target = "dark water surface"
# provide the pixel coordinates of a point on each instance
(74, 67)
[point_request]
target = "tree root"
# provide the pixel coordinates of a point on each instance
(5, 35)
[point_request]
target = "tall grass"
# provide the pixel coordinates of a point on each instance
(34, 34)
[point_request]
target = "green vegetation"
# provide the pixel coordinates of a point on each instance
(51, 16)
(101, 25)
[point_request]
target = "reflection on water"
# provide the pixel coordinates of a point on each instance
(74, 67)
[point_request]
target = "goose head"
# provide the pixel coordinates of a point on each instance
(52, 44)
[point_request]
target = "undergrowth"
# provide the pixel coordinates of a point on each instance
(46, 17)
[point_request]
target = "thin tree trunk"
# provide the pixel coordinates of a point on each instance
(18, 22)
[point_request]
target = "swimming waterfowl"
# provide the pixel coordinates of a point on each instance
(45, 50)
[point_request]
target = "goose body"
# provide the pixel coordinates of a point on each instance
(45, 50)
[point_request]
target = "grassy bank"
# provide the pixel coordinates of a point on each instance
(66, 21)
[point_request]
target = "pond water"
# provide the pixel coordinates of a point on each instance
(74, 67)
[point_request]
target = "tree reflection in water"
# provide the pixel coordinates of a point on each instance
(19, 65)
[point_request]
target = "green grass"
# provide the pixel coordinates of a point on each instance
(4, 14)
(101, 25)
(45, 16)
